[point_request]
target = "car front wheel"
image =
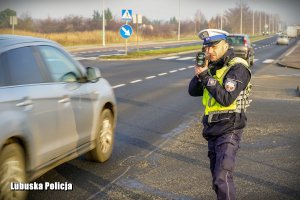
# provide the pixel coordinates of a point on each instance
(105, 137)
(12, 170)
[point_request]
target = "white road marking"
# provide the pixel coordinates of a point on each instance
(191, 67)
(255, 60)
(149, 77)
(115, 54)
(267, 61)
(169, 58)
(116, 86)
(291, 50)
(162, 74)
(85, 58)
(186, 58)
(135, 81)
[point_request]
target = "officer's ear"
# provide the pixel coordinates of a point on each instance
(225, 46)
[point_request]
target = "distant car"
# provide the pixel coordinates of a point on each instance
(266, 33)
(282, 40)
(51, 110)
(241, 46)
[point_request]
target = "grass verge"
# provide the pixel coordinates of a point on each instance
(156, 52)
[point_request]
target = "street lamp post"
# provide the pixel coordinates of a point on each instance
(270, 24)
(265, 26)
(253, 24)
(241, 25)
(179, 23)
(221, 21)
(259, 22)
(103, 24)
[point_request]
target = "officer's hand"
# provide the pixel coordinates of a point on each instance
(199, 70)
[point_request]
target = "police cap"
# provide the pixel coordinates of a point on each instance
(211, 37)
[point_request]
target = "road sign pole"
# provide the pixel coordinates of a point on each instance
(13, 28)
(126, 30)
(126, 44)
(137, 35)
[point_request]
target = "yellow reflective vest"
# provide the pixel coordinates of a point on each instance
(242, 101)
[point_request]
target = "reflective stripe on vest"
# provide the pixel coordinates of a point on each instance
(209, 102)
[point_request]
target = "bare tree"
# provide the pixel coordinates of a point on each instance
(199, 20)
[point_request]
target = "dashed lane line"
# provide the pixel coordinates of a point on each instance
(186, 58)
(169, 58)
(136, 81)
(268, 61)
(154, 76)
(162, 74)
(117, 86)
(150, 77)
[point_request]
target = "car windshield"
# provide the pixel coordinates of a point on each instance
(235, 40)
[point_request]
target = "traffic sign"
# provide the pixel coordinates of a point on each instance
(125, 31)
(126, 14)
(137, 18)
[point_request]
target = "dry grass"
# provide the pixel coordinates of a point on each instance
(90, 37)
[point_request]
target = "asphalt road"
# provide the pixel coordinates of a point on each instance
(159, 152)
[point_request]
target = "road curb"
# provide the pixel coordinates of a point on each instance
(281, 61)
(287, 65)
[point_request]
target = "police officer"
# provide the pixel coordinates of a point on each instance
(224, 83)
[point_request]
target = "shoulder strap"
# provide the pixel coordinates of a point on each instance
(234, 61)
(237, 60)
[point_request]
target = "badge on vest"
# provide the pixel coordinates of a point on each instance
(211, 82)
(230, 85)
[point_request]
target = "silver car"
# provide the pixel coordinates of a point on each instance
(51, 110)
(282, 40)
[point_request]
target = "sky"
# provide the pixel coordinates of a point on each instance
(152, 9)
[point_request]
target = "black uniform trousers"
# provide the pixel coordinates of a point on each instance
(222, 153)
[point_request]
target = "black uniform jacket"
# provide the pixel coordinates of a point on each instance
(226, 122)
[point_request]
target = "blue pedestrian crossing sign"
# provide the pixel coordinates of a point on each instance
(126, 14)
(125, 31)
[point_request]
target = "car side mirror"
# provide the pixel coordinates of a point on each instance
(93, 74)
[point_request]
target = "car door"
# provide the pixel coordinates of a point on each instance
(75, 116)
(29, 104)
